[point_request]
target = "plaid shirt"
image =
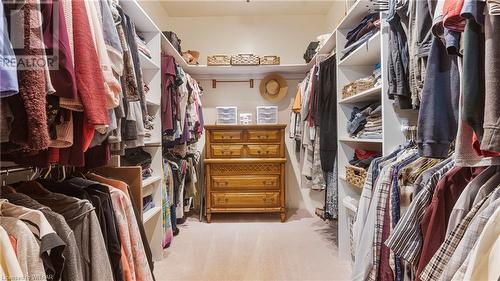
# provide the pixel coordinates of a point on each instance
(462, 250)
(406, 239)
(383, 188)
(438, 262)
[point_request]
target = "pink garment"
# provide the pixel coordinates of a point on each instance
(130, 237)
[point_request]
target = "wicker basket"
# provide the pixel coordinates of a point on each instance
(245, 59)
(354, 88)
(355, 175)
(219, 60)
(270, 60)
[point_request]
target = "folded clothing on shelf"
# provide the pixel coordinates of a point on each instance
(368, 27)
(147, 203)
(136, 157)
(363, 158)
(372, 129)
(147, 172)
(363, 84)
(142, 46)
(359, 116)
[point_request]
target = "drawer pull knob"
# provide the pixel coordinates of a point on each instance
(268, 182)
(258, 151)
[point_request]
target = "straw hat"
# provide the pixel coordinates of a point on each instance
(273, 87)
(191, 57)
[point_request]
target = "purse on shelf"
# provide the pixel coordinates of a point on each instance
(245, 59)
(174, 40)
(270, 60)
(219, 60)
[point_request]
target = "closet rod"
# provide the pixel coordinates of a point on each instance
(214, 82)
(14, 169)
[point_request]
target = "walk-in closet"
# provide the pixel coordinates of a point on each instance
(147, 140)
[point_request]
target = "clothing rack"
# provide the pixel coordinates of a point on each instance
(14, 169)
(215, 81)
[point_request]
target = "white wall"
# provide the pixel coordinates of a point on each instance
(283, 35)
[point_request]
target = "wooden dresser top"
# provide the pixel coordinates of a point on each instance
(243, 127)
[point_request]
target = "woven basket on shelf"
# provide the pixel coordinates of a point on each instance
(354, 88)
(355, 175)
(219, 60)
(269, 60)
(245, 59)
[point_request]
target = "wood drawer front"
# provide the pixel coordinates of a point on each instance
(229, 169)
(264, 135)
(226, 136)
(263, 150)
(245, 200)
(226, 150)
(246, 182)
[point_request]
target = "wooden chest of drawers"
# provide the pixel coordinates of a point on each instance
(245, 169)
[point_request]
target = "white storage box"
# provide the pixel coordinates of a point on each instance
(267, 114)
(351, 206)
(246, 118)
(227, 115)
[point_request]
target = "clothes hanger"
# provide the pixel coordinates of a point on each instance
(48, 172)
(4, 179)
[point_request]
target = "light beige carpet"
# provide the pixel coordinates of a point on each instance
(254, 247)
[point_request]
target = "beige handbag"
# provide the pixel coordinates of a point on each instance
(219, 60)
(245, 59)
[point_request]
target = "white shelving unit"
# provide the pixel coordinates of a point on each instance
(151, 68)
(360, 63)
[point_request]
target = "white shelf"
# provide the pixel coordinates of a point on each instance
(150, 180)
(327, 48)
(358, 140)
(365, 55)
(141, 19)
(290, 71)
(356, 13)
(149, 214)
(167, 48)
(152, 103)
(344, 179)
(147, 63)
(365, 144)
(372, 94)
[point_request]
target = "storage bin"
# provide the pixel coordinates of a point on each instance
(270, 60)
(215, 60)
(246, 118)
(227, 115)
(267, 115)
(355, 175)
(351, 206)
(245, 59)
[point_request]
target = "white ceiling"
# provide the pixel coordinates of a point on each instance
(210, 8)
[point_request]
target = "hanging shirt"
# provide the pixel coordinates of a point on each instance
(8, 66)
(28, 250)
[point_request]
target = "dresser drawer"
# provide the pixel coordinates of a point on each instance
(264, 135)
(226, 150)
(226, 136)
(246, 182)
(263, 150)
(235, 169)
(245, 200)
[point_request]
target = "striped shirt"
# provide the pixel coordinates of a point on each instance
(383, 189)
(406, 239)
(468, 241)
(438, 262)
